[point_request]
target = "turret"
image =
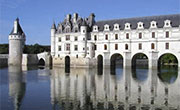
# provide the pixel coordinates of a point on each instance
(75, 17)
(16, 43)
(84, 35)
(53, 39)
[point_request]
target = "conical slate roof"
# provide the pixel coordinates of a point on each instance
(19, 29)
(53, 26)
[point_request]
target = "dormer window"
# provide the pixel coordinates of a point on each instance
(116, 26)
(106, 27)
(167, 23)
(140, 25)
(127, 26)
(95, 28)
(153, 24)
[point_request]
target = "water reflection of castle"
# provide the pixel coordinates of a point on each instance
(84, 89)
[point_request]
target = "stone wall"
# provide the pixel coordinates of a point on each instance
(74, 62)
(29, 59)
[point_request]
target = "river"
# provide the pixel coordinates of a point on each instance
(32, 88)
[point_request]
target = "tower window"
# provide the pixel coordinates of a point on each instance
(95, 47)
(95, 37)
(126, 46)
(106, 37)
(75, 47)
(153, 34)
(67, 47)
(59, 48)
(167, 45)
(67, 37)
(116, 46)
(127, 35)
(167, 34)
(140, 46)
(152, 46)
(59, 39)
(116, 36)
(140, 35)
(75, 38)
(105, 47)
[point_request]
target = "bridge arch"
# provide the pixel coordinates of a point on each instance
(116, 60)
(140, 60)
(100, 64)
(168, 68)
(167, 59)
(41, 62)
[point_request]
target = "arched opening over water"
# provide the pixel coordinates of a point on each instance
(100, 64)
(139, 60)
(168, 68)
(116, 63)
(41, 62)
(67, 64)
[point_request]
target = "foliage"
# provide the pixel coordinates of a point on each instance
(4, 48)
(168, 58)
(29, 49)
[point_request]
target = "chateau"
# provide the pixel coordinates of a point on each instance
(82, 42)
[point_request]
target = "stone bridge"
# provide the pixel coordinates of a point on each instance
(43, 58)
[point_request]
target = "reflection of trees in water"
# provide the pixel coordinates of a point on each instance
(168, 74)
(140, 74)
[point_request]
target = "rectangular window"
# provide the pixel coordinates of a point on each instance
(67, 47)
(116, 46)
(126, 46)
(140, 46)
(105, 47)
(167, 45)
(167, 34)
(127, 35)
(116, 36)
(152, 46)
(95, 47)
(140, 35)
(59, 39)
(75, 38)
(59, 48)
(153, 34)
(75, 47)
(95, 37)
(67, 37)
(106, 37)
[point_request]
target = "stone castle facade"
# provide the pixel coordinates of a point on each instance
(84, 40)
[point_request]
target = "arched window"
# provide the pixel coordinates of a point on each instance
(105, 47)
(152, 46)
(126, 46)
(140, 46)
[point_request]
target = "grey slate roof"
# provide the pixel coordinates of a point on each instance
(175, 20)
(53, 26)
(19, 30)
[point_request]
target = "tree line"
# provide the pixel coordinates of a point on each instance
(28, 49)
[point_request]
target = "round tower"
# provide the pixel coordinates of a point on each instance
(16, 43)
(84, 36)
(53, 39)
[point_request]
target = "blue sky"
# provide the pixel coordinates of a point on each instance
(37, 16)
